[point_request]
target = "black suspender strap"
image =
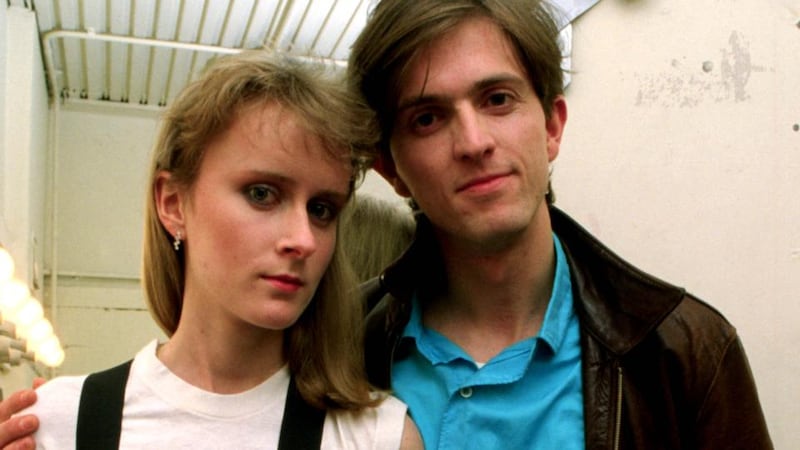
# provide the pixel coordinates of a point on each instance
(100, 410)
(103, 398)
(301, 428)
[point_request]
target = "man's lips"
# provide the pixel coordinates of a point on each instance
(482, 183)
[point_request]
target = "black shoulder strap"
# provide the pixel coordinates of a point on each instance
(103, 398)
(302, 424)
(100, 410)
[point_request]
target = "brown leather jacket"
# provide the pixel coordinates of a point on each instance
(661, 368)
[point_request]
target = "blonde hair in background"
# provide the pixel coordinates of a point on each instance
(324, 347)
(375, 233)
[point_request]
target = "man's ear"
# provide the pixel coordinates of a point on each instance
(384, 165)
(169, 200)
(555, 126)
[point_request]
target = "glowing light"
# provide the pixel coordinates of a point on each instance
(27, 315)
(12, 297)
(38, 332)
(22, 317)
(50, 352)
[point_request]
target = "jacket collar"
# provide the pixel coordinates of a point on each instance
(617, 303)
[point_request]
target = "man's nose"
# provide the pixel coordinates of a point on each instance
(472, 138)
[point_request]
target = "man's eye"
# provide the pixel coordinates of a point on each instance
(498, 99)
(424, 120)
(261, 194)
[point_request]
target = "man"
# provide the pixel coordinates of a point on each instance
(506, 325)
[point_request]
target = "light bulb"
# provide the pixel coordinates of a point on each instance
(27, 315)
(38, 332)
(6, 265)
(50, 352)
(12, 297)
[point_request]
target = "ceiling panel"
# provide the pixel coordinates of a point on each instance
(142, 52)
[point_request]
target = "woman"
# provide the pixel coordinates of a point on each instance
(253, 165)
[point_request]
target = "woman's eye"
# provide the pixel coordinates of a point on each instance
(261, 193)
(322, 212)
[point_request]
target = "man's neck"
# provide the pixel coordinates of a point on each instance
(495, 299)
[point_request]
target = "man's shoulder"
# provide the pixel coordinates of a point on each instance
(697, 326)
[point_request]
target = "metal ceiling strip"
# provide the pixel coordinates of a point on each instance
(300, 24)
(225, 22)
(84, 92)
(275, 24)
(178, 25)
(107, 88)
(132, 40)
(249, 24)
(57, 90)
(275, 38)
(126, 94)
(323, 26)
(198, 38)
(144, 96)
(344, 30)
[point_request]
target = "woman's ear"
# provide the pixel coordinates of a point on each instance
(384, 165)
(169, 200)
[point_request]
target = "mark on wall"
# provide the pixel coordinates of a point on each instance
(736, 66)
(796, 127)
(687, 84)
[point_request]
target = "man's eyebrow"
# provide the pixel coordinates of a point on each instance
(480, 85)
(503, 78)
(419, 100)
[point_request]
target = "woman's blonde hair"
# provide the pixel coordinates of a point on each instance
(324, 346)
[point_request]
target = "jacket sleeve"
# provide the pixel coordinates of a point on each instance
(730, 416)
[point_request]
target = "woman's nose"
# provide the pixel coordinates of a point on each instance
(298, 238)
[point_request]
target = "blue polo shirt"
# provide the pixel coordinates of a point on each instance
(527, 397)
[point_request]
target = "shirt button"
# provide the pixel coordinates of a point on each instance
(465, 392)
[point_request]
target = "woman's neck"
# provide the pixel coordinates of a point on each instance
(223, 360)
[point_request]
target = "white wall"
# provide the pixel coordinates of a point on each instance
(25, 129)
(102, 160)
(3, 62)
(694, 174)
(23, 153)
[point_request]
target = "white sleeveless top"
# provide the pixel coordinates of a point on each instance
(164, 412)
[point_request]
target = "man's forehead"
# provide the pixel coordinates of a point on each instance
(474, 55)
